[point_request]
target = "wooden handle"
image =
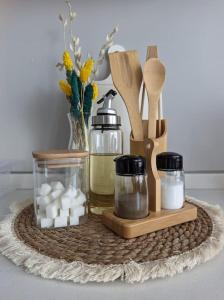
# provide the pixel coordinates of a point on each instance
(136, 123)
(154, 190)
(153, 112)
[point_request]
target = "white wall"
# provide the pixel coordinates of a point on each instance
(190, 39)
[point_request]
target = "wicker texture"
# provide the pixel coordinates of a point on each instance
(93, 243)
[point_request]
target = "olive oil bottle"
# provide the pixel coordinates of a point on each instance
(105, 145)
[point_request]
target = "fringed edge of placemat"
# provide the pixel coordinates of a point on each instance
(79, 272)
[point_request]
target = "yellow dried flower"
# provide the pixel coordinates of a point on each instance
(67, 61)
(89, 64)
(95, 90)
(84, 74)
(65, 87)
(86, 70)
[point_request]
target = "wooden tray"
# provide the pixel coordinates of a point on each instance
(155, 221)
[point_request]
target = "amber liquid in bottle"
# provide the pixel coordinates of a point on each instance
(102, 180)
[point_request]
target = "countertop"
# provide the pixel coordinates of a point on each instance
(204, 282)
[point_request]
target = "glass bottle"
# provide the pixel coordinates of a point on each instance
(170, 167)
(131, 200)
(105, 145)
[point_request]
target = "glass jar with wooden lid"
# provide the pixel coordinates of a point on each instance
(61, 188)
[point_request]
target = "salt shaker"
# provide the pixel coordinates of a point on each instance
(170, 167)
(131, 201)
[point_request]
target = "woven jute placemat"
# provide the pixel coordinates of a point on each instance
(91, 252)
(93, 243)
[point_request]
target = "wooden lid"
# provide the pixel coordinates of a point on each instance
(59, 154)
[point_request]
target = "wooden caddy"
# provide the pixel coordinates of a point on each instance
(158, 218)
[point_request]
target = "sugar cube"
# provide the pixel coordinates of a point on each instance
(74, 220)
(52, 209)
(64, 212)
(65, 202)
(55, 194)
(77, 211)
(44, 201)
(57, 185)
(44, 189)
(79, 199)
(70, 192)
(46, 222)
(60, 222)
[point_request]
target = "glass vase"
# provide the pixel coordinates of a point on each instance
(78, 133)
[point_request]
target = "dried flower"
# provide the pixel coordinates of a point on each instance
(86, 70)
(95, 90)
(89, 64)
(84, 75)
(72, 14)
(60, 66)
(65, 87)
(67, 61)
(104, 49)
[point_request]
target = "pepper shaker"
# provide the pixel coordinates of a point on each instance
(131, 200)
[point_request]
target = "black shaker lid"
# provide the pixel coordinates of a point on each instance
(169, 161)
(130, 165)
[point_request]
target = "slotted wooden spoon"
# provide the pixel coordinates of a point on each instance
(154, 77)
(127, 78)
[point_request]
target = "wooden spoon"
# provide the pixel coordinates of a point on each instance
(154, 77)
(152, 52)
(127, 78)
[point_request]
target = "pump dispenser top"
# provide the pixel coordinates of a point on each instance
(106, 115)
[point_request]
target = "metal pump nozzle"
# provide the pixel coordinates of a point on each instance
(106, 115)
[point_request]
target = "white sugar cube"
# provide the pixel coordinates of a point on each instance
(52, 209)
(65, 202)
(57, 185)
(60, 222)
(77, 211)
(44, 189)
(70, 192)
(79, 199)
(44, 201)
(64, 212)
(55, 194)
(74, 220)
(46, 222)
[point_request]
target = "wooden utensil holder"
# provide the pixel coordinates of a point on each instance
(149, 148)
(158, 218)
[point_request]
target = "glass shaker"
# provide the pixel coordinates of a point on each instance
(105, 144)
(131, 200)
(170, 167)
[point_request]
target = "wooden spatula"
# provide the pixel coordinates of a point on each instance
(127, 78)
(154, 77)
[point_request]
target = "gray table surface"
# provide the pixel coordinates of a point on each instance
(204, 282)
